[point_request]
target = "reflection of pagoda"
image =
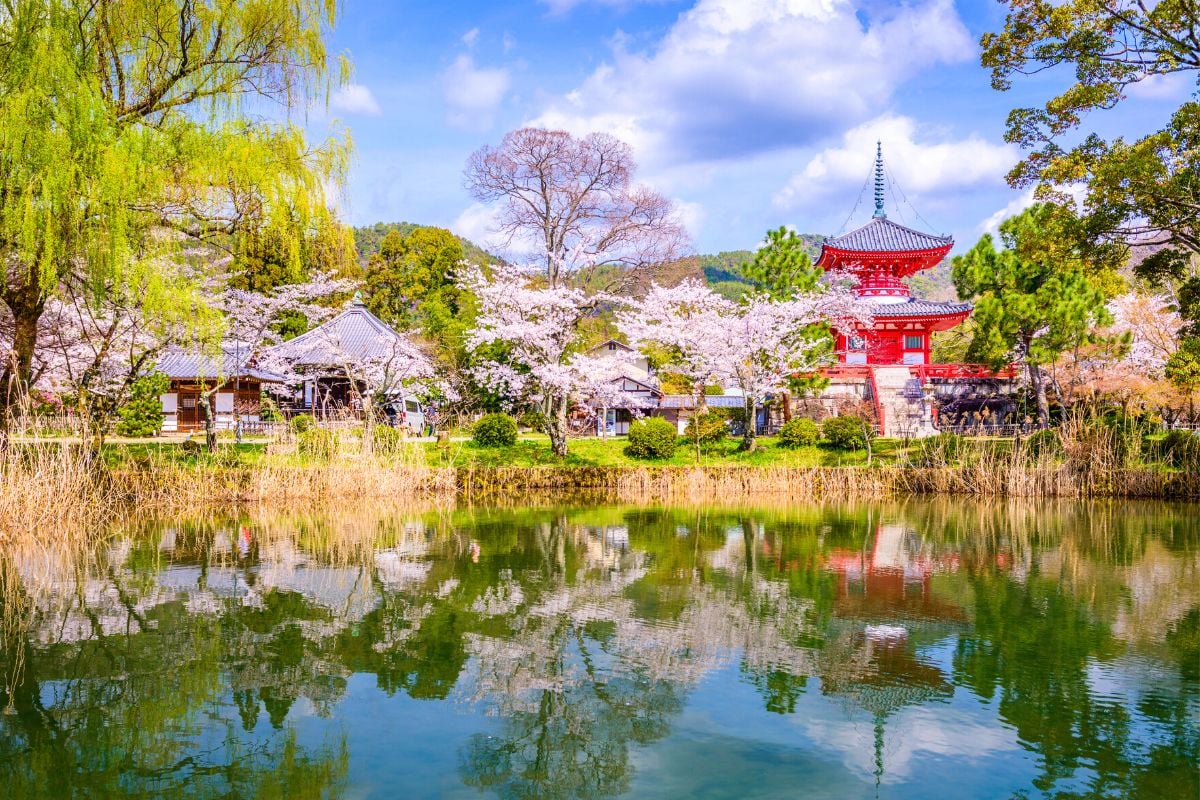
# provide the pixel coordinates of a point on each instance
(890, 356)
(894, 580)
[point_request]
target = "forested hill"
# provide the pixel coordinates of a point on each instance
(723, 271)
(368, 238)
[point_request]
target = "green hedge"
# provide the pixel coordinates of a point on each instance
(495, 430)
(651, 438)
(847, 432)
(799, 433)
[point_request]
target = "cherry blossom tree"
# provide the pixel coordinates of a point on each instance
(527, 338)
(94, 343)
(755, 344)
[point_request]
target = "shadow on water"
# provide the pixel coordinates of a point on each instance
(577, 649)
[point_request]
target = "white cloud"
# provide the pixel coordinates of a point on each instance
(923, 162)
(1163, 87)
(478, 223)
(736, 77)
(1016, 206)
(470, 37)
(472, 93)
(354, 98)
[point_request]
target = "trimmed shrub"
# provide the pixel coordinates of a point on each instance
(495, 430)
(653, 437)
(847, 432)
(142, 413)
(1180, 449)
(799, 432)
(318, 443)
(302, 422)
(709, 428)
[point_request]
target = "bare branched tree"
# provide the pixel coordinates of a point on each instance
(573, 202)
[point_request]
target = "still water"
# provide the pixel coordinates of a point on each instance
(919, 650)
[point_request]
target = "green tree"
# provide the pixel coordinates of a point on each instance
(412, 273)
(1142, 190)
(142, 413)
(1034, 300)
(782, 266)
(123, 120)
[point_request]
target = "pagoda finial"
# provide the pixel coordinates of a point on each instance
(357, 300)
(879, 212)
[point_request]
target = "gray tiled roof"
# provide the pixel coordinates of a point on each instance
(917, 308)
(881, 234)
(355, 334)
(232, 363)
(712, 401)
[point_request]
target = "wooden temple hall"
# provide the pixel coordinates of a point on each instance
(888, 363)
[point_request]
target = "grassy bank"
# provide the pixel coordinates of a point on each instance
(52, 484)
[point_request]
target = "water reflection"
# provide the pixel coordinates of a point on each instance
(592, 652)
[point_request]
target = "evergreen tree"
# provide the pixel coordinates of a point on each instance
(1033, 299)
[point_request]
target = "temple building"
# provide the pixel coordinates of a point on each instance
(880, 255)
(889, 361)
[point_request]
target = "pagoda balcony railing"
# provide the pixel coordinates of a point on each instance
(924, 372)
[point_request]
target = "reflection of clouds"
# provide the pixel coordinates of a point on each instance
(912, 734)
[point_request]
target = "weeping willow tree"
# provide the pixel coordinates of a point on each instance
(133, 130)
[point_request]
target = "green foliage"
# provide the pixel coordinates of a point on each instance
(847, 432)
(782, 266)
(708, 428)
(319, 444)
(269, 409)
(495, 430)
(270, 257)
(124, 119)
(653, 437)
(410, 270)
(1180, 449)
(799, 432)
(142, 413)
(1028, 297)
(369, 239)
(1183, 367)
(302, 422)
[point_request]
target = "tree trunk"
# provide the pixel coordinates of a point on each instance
(556, 426)
(18, 365)
(210, 422)
(749, 436)
(1038, 382)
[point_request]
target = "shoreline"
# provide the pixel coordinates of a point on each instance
(365, 481)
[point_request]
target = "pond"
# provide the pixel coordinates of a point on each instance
(923, 649)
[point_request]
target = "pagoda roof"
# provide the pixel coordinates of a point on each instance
(881, 235)
(918, 308)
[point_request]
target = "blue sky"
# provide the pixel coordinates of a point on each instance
(750, 114)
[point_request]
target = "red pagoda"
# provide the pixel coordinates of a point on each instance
(887, 362)
(880, 255)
